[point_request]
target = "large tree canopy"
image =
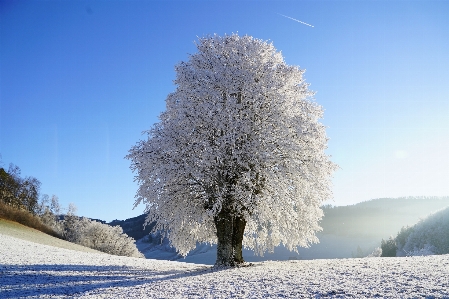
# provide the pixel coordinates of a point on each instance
(240, 141)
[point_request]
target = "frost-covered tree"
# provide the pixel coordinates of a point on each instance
(71, 226)
(106, 238)
(49, 211)
(97, 235)
(238, 156)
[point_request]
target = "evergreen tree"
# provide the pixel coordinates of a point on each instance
(388, 247)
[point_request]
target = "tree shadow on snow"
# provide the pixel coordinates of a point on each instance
(59, 280)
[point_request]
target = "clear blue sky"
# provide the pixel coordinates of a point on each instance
(81, 80)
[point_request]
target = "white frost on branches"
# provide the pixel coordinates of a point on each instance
(99, 236)
(241, 124)
(86, 232)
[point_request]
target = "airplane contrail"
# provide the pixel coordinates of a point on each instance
(296, 20)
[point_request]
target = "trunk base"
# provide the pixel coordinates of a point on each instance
(230, 231)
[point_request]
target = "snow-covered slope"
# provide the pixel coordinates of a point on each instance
(23, 232)
(33, 270)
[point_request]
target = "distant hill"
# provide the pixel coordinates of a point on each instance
(134, 227)
(355, 230)
(379, 217)
(345, 229)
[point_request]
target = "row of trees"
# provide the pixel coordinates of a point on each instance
(22, 194)
(18, 192)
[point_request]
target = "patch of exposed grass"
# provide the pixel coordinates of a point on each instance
(20, 231)
(26, 218)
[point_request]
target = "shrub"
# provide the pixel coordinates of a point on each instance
(99, 236)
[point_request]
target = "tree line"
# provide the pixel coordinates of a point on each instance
(17, 192)
(21, 201)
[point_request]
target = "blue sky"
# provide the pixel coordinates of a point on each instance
(81, 80)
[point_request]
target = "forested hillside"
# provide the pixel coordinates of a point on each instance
(134, 227)
(429, 236)
(379, 217)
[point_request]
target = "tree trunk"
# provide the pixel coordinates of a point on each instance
(237, 239)
(230, 231)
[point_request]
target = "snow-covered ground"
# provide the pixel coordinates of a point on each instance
(32, 270)
(330, 246)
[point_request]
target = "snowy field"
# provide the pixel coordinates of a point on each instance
(32, 270)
